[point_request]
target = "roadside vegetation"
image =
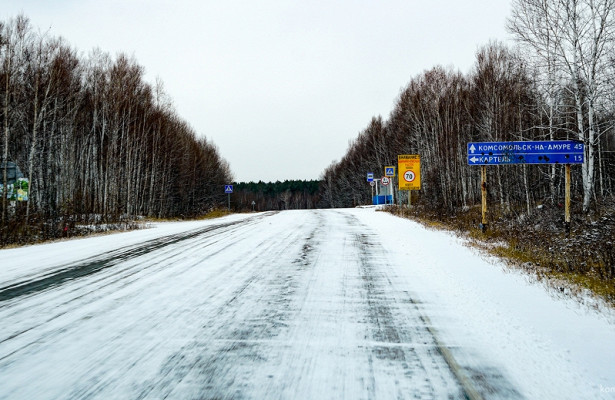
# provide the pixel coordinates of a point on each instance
(99, 145)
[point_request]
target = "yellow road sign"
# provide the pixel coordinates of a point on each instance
(409, 167)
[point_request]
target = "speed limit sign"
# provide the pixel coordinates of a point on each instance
(409, 176)
(385, 180)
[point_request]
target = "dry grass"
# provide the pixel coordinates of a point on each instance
(218, 213)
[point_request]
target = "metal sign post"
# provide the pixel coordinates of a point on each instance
(483, 189)
(385, 180)
(370, 179)
(228, 189)
(567, 201)
(389, 172)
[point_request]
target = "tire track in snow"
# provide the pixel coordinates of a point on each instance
(404, 346)
(107, 281)
(238, 263)
(476, 384)
(304, 316)
(247, 320)
(88, 267)
(310, 307)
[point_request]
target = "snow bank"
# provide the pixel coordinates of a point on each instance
(21, 263)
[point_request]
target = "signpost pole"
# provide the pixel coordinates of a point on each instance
(483, 185)
(409, 199)
(567, 202)
(228, 189)
(392, 192)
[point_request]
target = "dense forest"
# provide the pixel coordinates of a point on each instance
(96, 142)
(287, 195)
(557, 84)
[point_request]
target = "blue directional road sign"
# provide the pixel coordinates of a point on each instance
(546, 152)
(228, 188)
(370, 176)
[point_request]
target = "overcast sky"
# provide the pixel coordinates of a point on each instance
(279, 86)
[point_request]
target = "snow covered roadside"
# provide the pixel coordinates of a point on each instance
(550, 348)
(23, 262)
(490, 318)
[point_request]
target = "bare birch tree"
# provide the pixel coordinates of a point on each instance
(576, 36)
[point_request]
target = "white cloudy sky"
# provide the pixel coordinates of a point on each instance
(279, 86)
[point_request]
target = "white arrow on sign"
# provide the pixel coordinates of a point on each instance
(472, 148)
(474, 159)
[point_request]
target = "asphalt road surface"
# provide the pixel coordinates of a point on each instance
(290, 305)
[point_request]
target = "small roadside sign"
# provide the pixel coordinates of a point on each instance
(370, 176)
(228, 188)
(389, 171)
(373, 183)
(409, 171)
(385, 180)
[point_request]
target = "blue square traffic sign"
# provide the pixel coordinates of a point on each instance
(228, 188)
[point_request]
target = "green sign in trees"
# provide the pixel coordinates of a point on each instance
(17, 191)
(17, 187)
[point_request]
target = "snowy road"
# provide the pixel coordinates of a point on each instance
(290, 305)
